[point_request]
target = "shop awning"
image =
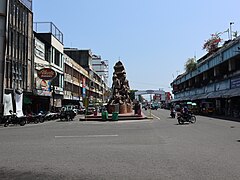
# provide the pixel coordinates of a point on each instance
(217, 94)
(231, 93)
(178, 99)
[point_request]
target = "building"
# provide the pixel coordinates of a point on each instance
(100, 67)
(74, 82)
(81, 56)
(16, 50)
(215, 83)
(95, 87)
(40, 100)
(51, 39)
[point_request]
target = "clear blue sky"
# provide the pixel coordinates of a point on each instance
(153, 38)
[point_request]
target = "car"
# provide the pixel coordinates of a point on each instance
(154, 106)
(67, 113)
(82, 110)
(90, 109)
(76, 111)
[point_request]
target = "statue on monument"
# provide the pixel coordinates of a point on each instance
(120, 91)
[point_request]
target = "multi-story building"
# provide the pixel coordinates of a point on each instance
(16, 52)
(100, 67)
(52, 38)
(215, 82)
(74, 82)
(95, 87)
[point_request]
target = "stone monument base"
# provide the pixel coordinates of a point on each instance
(129, 108)
(113, 108)
(123, 109)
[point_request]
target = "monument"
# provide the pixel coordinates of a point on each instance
(120, 100)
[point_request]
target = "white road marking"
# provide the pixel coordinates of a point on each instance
(156, 117)
(88, 136)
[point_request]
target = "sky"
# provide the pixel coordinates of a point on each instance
(152, 38)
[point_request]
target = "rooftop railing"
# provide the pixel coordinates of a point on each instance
(48, 27)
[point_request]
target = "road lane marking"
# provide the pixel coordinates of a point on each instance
(156, 117)
(88, 136)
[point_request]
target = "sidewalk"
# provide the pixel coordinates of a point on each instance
(223, 117)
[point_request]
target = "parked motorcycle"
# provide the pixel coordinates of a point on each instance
(51, 116)
(13, 119)
(35, 118)
(182, 118)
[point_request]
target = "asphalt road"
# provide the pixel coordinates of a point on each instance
(146, 149)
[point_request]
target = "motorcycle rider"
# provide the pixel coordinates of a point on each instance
(185, 112)
(172, 111)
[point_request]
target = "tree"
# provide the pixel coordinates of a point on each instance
(132, 94)
(190, 65)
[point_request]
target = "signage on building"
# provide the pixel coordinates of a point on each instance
(75, 98)
(84, 92)
(83, 82)
(39, 49)
(46, 74)
(43, 93)
(84, 87)
(235, 82)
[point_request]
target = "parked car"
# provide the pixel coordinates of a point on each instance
(76, 111)
(67, 113)
(90, 109)
(82, 110)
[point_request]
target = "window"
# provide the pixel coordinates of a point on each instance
(57, 58)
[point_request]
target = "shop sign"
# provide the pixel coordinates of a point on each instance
(84, 92)
(83, 82)
(235, 82)
(43, 93)
(46, 74)
(75, 98)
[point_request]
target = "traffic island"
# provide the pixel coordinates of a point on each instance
(113, 117)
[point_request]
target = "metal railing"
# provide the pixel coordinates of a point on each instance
(48, 27)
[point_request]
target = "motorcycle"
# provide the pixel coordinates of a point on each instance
(35, 118)
(13, 119)
(182, 118)
(173, 114)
